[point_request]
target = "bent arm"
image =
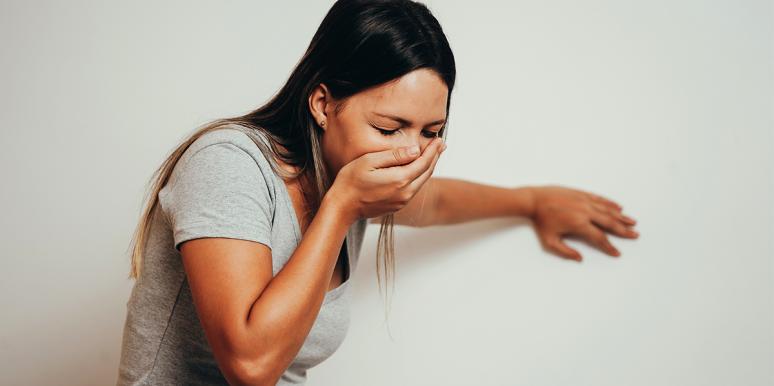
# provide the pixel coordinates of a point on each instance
(257, 324)
(280, 319)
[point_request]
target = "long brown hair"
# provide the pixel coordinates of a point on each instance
(359, 44)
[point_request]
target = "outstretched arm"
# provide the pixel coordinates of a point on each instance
(443, 201)
(556, 211)
(461, 201)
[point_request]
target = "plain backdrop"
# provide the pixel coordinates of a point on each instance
(666, 107)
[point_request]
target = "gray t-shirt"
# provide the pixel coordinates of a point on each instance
(222, 186)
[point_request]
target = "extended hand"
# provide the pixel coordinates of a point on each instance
(559, 211)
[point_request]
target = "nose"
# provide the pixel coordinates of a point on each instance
(411, 140)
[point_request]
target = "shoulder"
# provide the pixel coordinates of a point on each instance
(220, 160)
(222, 177)
(230, 137)
(222, 186)
(228, 151)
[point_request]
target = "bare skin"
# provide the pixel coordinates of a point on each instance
(418, 97)
(257, 322)
(296, 197)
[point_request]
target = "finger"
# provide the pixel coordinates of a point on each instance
(553, 242)
(411, 171)
(392, 157)
(599, 239)
(419, 181)
(615, 213)
(612, 224)
(605, 201)
(628, 219)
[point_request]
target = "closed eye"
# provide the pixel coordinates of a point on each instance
(426, 134)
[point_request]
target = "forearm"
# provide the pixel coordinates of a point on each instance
(461, 201)
(283, 315)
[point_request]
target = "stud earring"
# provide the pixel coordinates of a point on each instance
(322, 123)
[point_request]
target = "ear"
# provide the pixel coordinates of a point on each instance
(319, 100)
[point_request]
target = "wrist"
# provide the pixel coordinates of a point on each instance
(524, 201)
(340, 205)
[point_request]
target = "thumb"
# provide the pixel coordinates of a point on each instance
(553, 241)
(395, 156)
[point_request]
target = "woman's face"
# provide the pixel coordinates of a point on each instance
(410, 111)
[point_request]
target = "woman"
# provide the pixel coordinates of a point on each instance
(244, 252)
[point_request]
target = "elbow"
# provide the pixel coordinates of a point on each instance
(246, 359)
(250, 373)
(243, 364)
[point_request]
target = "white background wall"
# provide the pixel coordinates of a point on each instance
(664, 106)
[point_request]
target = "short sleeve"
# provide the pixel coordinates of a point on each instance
(219, 192)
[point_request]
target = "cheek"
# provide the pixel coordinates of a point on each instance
(345, 147)
(356, 150)
(364, 142)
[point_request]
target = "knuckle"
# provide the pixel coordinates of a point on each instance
(606, 222)
(579, 222)
(397, 154)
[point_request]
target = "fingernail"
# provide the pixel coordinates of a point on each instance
(414, 150)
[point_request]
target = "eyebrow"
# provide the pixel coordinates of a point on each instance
(406, 122)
